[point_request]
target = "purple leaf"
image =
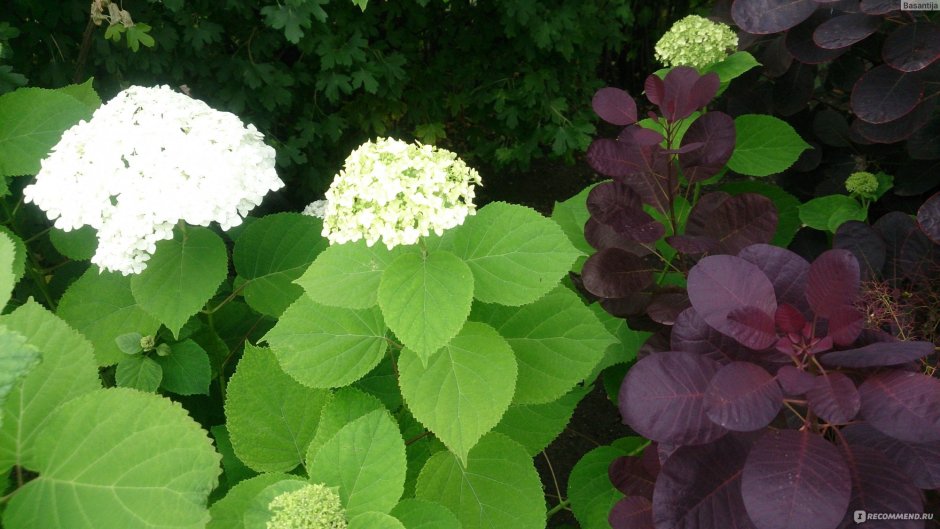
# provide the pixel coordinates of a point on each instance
(715, 131)
(615, 273)
(734, 221)
(770, 16)
(692, 334)
(629, 306)
(685, 91)
(844, 30)
(794, 381)
(845, 324)
(602, 236)
(719, 284)
(700, 487)
(884, 94)
(667, 304)
(694, 244)
(865, 244)
(794, 90)
(662, 396)
(800, 41)
(614, 106)
(880, 486)
(614, 158)
(831, 128)
(878, 7)
(912, 47)
(655, 89)
(629, 476)
(928, 218)
(897, 130)
(637, 135)
(832, 282)
(902, 404)
(743, 397)
(786, 270)
(619, 207)
(795, 480)
(635, 512)
(754, 327)
(789, 319)
(879, 354)
(920, 461)
(834, 398)
(644, 168)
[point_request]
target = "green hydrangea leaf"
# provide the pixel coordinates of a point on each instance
(765, 145)
(271, 417)
(84, 92)
(114, 459)
(366, 460)
(829, 212)
(77, 244)
(101, 306)
(229, 512)
(625, 347)
(733, 66)
(17, 357)
(421, 514)
(557, 341)
(327, 347)
(348, 275)
(181, 276)
(464, 390)
(257, 514)
(571, 215)
(497, 488)
(186, 371)
(344, 407)
(271, 253)
(33, 120)
(375, 520)
(421, 446)
(535, 426)
(19, 253)
(233, 470)
(66, 371)
(426, 299)
(139, 372)
(7, 275)
(590, 491)
(788, 207)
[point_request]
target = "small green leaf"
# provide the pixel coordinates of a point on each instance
(345, 406)
(733, 66)
(885, 183)
(137, 34)
(77, 244)
(829, 212)
(139, 372)
(348, 275)
(229, 512)
(361, 4)
(590, 491)
(129, 343)
(420, 514)
(571, 215)
(765, 145)
(535, 426)
(84, 92)
(186, 369)
(233, 470)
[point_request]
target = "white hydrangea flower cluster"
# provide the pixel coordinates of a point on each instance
(696, 41)
(309, 507)
(147, 159)
(398, 192)
(317, 209)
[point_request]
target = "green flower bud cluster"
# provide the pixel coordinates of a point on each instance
(696, 41)
(310, 507)
(863, 184)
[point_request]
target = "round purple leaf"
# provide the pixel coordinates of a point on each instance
(635, 512)
(880, 486)
(692, 334)
(865, 243)
(743, 397)
(614, 106)
(734, 222)
(800, 42)
(795, 480)
(832, 282)
(613, 158)
(770, 16)
(902, 404)
(928, 217)
(912, 47)
(661, 398)
(879, 7)
(685, 91)
(618, 206)
(786, 270)
(641, 136)
(893, 131)
(615, 273)
(845, 324)
(629, 476)
(789, 319)
(884, 94)
(654, 88)
(794, 381)
(920, 461)
(834, 398)
(844, 30)
(715, 131)
(754, 327)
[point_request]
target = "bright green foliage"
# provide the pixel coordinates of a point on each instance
(327, 347)
(765, 145)
(7, 275)
(19, 253)
(229, 512)
(139, 372)
(271, 417)
(557, 342)
(186, 369)
(421, 514)
(101, 307)
(181, 276)
(375, 520)
(498, 487)
(233, 470)
(420, 447)
(99, 469)
(426, 299)
(516, 254)
(77, 244)
(571, 215)
(535, 426)
(17, 357)
(85, 93)
(345, 406)
(258, 514)
(366, 460)
(348, 275)
(829, 212)
(464, 390)
(732, 67)
(590, 491)
(788, 207)
(271, 253)
(66, 371)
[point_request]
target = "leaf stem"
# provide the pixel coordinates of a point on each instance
(564, 504)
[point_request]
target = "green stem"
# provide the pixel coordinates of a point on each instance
(564, 504)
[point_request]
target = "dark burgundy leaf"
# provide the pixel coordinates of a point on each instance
(865, 244)
(691, 333)
(743, 397)
(775, 58)
(834, 398)
(662, 398)
(715, 131)
(645, 168)
(634, 512)
(629, 306)
(650, 459)
(845, 324)
(844, 30)
(917, 177)
(642, 136)
(667, 304)
(614, 106)
(734, 221)
(614, 158)
(687, 148)
(792, 91)
(795, 480)
(912, 47)
(694, 244)
(831, 128)
(700, 487)
(897, 130)
(902, 404)
(618, 206)
(928, 218)
(794, 381)
(832, 282)
(770, 16)
(884, 94)
(920, 461)
(895, 229)
(615, 273)
(655, 89)
(789, 319)
(786, 271)
(630, 477)
(880, 486)
(925, 143)
(801, 44)
(704, 90)
(685, 91)
(665, 451)
(879, 7)
(755, 328)
(602, 236)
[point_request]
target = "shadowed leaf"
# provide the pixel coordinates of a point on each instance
(879, 485)
(632, 513)
(928, 218)
(865, 244)
(845, 30)
(902, 404)
(794, 381)
(616, 273)
(832, 282)
(770, 16)
(692, 334)
(715, 130)
(920, 461)
(912, 47)
(884, 94)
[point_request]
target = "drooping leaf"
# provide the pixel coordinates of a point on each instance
(616, 273)
(139, 372)
(884, 94)
(786, 270)
(634, 512)
(771, 16)
(832, 282)
(919, 461)
(795, 480)
(912, 47)
(535, 426)
(589, 490)
(497, 488)
(348, 275)
(733, 222)
(928, 218)
(845, 30)
(743, 397)
(228, 513)
(902, 404)
(186, 371)
(879, 485)
(765, 145)
(614, 106)
(327, 347)
(834, 398)
(345, 406)
(99, 470)
(420, 514)
(715, 130)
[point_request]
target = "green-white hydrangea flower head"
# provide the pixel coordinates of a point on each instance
(317, 209)
(696, 41)
(309, 507)
(146, 160)
(863, 184)
(398, 192)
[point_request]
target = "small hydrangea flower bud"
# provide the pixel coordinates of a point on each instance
(310, 507)
(164, 350)
(147, 342)
(696, 41)
(863, 184)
